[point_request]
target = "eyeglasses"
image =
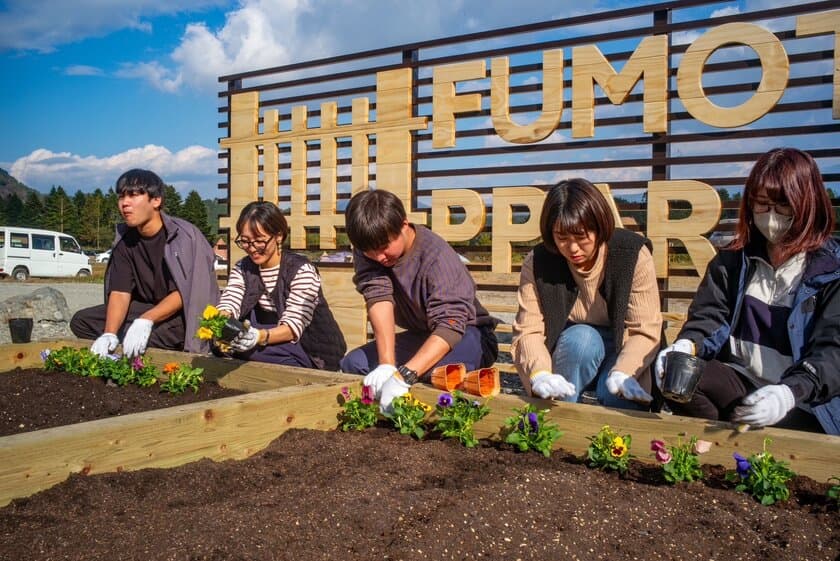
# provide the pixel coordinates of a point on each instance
(258, 245)
(762, 206)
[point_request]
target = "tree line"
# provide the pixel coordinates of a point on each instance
(92, 217)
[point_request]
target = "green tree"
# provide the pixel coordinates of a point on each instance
(32, 215)
(195, 211)
(13, 209)
(92, 231)
(59, 211)
(172, 202)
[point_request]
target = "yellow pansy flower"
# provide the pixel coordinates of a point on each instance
(204, 334)
(210, 312)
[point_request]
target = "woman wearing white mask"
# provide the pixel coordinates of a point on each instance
(767, 315)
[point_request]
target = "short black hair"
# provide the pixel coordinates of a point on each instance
(267, 216)
(140, 181)
(577, 207)
(373, 219)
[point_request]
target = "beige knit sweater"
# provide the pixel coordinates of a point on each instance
(642, 324)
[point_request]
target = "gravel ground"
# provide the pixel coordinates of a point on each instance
(78, 294)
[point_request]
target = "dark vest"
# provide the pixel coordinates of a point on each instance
(322, 339)
(557, 290)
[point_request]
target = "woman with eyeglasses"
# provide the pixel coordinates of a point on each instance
(279, 292)
(766, 316)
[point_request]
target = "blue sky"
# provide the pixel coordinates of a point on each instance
(92, 88)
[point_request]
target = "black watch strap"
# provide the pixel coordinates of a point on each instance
(408, 375)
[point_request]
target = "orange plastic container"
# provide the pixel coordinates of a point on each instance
(483, 382)
(448, 377)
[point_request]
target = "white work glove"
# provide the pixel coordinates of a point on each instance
(551, 386)
(393, 388)
(682, 345)
(137, 337)
(246, 340)
(627, 387)
(377, 377)
(104, 344)
(765, 406)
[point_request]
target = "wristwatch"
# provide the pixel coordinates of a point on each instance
(408, 375)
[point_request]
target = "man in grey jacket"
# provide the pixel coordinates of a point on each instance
(159, 278)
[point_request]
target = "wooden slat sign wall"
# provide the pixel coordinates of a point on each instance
(657, 111)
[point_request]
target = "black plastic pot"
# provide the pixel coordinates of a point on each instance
(682, 374)
(20, 330)
(231, 329)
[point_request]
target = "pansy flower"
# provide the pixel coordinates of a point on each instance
(742, 465)
(367, 395)
(657, 445)
(345, 392)
(137, 363)
(663, 456)
(44, 354)
(702, 446)
(445, 400)
(618, 448)
(534, 421)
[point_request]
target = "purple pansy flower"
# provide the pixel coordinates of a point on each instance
(44, 354)
(475, 403)
(367, 395)
(445, 400)
(534, 421)
(521, 426)
(742, 466)
(137, 363)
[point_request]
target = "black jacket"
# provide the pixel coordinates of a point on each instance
(813, 326)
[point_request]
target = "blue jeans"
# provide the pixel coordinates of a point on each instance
(365, 358)
(585, 355)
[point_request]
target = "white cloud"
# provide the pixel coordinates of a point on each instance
(43, 25)
(193, 167)
(267, 33)
(82, 70)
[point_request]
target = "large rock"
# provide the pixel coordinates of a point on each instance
(46, 306)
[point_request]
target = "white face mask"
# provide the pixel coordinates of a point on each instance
(772, 225)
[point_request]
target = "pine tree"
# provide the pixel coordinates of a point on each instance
(195, 211)
(59, 211)
(172, 202)
(32, 215)
(13, 210)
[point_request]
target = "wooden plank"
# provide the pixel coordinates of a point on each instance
(811, 454)
(230, 373)
(222, 429)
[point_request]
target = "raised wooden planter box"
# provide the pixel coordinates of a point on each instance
(285, 397)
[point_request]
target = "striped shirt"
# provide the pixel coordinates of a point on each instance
(760, 342)
(299, 306)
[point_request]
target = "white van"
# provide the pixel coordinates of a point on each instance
(27, 252)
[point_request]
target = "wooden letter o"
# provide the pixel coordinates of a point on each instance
(775, 69)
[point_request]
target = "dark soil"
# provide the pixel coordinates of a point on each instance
(379, 495)
(32, 399)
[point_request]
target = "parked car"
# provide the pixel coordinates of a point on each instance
(722, 238)
(103, 257)
(29, 252)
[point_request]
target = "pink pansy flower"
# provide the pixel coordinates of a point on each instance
(367, 395)
(702, 446)
(657, 445)
(663, 456)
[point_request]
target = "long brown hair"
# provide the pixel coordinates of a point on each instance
(792, 176)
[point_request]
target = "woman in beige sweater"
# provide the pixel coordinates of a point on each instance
(589, 316)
